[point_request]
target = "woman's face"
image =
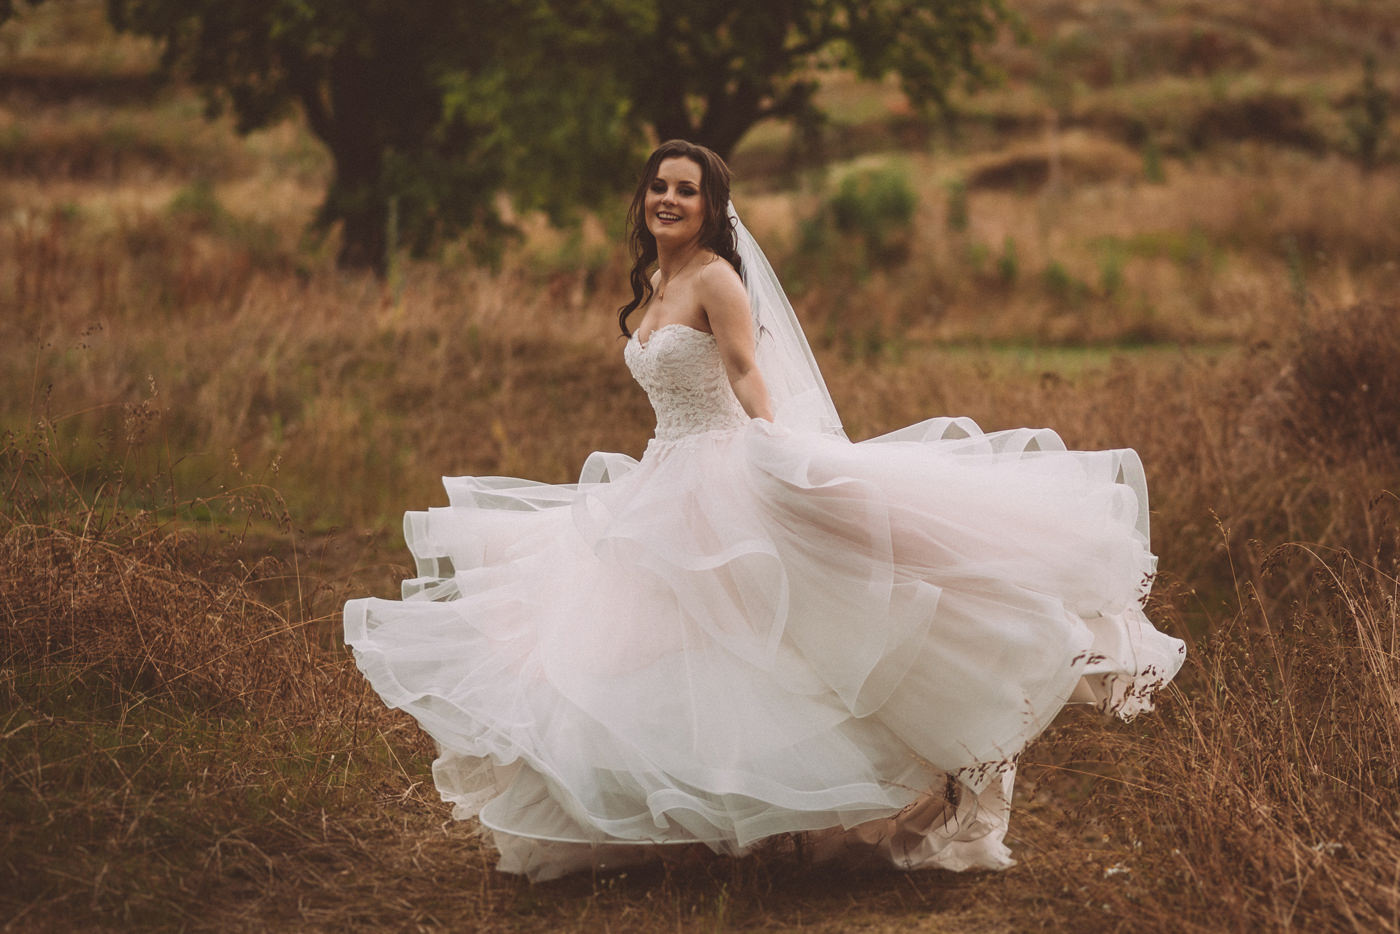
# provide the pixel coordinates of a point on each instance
(674, 206)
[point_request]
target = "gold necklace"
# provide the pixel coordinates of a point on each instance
(666, 280)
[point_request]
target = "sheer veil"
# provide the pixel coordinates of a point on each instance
(800, 397)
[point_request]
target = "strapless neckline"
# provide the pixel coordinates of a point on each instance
(644, 344)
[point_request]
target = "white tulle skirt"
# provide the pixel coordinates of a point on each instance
(751, 633)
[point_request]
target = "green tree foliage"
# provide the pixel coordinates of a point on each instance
(435, 105)
(708, 70)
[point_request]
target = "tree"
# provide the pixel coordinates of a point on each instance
(432, 108)
(708, 70)
(428, 108)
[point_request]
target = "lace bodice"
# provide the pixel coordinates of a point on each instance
(683, 375)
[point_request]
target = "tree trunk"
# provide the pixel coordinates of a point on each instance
(728, 116)
(720, 133)
(671, 119)
(357, 196)
(363, 243)
(730, 122)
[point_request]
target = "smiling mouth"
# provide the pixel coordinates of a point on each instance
(667, 217)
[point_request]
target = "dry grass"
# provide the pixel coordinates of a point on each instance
(187, 745)
(210, 432)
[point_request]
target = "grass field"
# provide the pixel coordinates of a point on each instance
(1157, 233)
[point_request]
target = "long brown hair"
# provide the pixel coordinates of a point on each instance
(716, 230)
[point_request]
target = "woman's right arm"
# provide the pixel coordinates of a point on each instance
(726, 307)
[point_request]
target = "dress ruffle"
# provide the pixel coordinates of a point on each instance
(752, 632)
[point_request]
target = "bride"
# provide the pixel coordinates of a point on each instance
(761, 628)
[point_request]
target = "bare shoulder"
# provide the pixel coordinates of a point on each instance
(725, 303)
(717, 281)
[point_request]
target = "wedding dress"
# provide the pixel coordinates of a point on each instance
(755, 631)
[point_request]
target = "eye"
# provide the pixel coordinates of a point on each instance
(658, 186)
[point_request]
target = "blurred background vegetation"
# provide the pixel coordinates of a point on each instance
(431, 111)
(265, 276)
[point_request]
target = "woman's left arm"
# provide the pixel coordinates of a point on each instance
(726, 306)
